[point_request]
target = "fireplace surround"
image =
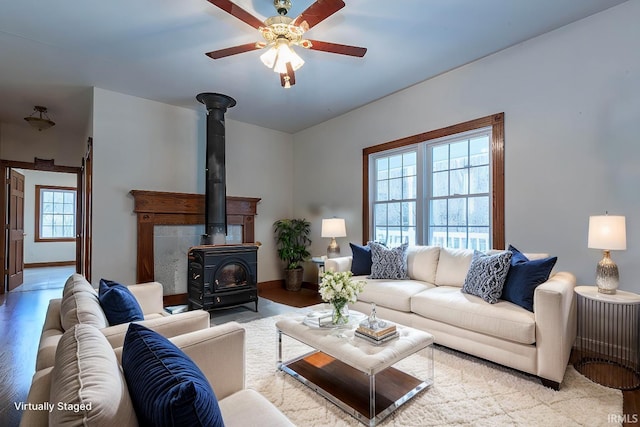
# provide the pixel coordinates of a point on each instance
(165, 208)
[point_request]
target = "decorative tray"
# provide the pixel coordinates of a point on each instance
(321, 319)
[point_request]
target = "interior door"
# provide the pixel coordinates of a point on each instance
(87, 199)
(15, 254)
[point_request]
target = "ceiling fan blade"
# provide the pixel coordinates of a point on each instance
(341, 49)
(238, 12)
(318, 12)
(217, 54)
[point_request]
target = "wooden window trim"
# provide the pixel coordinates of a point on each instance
(496, 122)
(37, 237)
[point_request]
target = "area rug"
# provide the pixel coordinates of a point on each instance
(466, 392)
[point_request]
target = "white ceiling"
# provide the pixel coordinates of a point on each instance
(52, 52)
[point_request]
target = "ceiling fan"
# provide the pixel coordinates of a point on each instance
(281, 33)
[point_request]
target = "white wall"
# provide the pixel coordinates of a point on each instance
(145, 145)
(22, 143)
(260, 164)
(572, 107)
(39, 252)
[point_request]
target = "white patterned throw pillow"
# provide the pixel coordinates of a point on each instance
(486, 276)
(388, 263)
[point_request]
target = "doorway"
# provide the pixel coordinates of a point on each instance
(42, 206)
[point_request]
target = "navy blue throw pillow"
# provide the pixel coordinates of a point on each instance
(166, 387)
(118, 303)
(524, 277)
(361, 260)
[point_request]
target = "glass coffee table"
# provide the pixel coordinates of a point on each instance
(354, 374)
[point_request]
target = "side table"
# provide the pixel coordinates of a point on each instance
(319, 262)
(608, 337)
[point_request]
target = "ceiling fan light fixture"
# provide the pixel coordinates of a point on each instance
(286, 54)
(38, 122)
(269, 57)
(278, 55)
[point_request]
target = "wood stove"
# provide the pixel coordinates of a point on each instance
(219, 275)
(222, 276)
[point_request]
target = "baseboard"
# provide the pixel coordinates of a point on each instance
(48, 264)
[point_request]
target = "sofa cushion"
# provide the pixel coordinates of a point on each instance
(82, 306)
(422, 262)
(486, 275)
(449, 305)
(249, 408)
(166, 386)
(361, 260)
(118, 303)
(388, 263)
(393, 294)
(87, 385)
(76, 282)
(524, 277)
(453, 265)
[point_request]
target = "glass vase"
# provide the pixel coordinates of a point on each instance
(340, 312)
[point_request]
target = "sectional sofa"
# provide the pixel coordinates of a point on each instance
(80, 375)
(537, 342)
(80, 304)
(86, 385)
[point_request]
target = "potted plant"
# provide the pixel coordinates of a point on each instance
(292, 241)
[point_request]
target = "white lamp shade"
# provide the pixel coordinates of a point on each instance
(278, 55)
(607, 232)
(333, 227)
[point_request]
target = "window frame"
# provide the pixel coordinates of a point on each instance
(495, 122)
(38, 213)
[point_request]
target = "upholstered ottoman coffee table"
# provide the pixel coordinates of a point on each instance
(354, 374)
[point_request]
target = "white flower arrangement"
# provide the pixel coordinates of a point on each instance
(338, 287)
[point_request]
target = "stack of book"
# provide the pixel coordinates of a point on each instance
(376, 332)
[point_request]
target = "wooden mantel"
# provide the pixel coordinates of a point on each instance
(165, 208)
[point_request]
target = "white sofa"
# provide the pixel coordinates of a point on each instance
(80, 304)
(87, 370)
(537, 342)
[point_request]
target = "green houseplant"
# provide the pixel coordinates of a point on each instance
(292, 241)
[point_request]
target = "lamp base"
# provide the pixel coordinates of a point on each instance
(333, 251)
(607, 277)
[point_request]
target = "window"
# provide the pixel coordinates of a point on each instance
(441, 188)
(55, 214)
(394, 210)
(458, 196)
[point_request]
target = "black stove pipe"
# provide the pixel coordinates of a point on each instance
(216, 182)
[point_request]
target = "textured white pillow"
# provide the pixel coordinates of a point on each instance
(87, 384)
(453, 266)
(422, 262)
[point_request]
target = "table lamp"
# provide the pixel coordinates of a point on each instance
(607, 232)
(332, 228)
